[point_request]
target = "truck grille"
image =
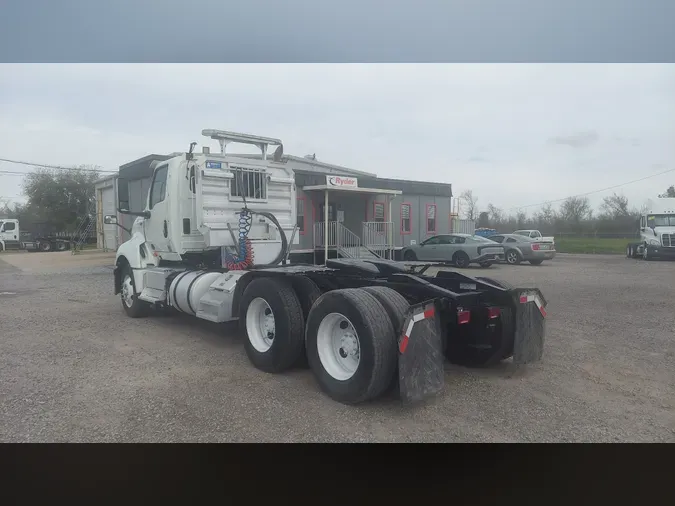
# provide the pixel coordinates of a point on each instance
(668, 240)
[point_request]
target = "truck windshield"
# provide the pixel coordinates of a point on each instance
(661, 220)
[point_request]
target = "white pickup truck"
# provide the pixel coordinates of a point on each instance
(534, 234)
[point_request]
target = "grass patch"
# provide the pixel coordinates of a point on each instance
(591, 245)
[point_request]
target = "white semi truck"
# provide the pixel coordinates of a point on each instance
(657, 231)
(212, 243)
(12, 237)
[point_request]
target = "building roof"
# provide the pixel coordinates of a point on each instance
(309, 167)
(105, 179)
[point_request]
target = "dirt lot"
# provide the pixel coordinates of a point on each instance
(74, 368)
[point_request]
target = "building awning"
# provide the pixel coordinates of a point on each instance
(351, 189)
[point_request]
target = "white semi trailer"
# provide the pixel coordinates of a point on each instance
(212, 243)
(657, 231)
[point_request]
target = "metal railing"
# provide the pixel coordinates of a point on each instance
(378, 237)
(86, 227)
(346, 242)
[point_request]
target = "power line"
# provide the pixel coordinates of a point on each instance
(58, 167)
(592, 192)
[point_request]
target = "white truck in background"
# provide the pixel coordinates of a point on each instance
(657, 231)
(534, 234)
(13, 238)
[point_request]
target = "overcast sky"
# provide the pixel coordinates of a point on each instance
(515, 134)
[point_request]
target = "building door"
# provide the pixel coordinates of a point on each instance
(331, 212)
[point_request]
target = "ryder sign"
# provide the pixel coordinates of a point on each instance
(342, 181)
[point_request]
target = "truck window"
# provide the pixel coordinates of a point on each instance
(9, 226)
(248, 183)
(158, 191)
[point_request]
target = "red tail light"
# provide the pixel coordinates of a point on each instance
(463, 316)
(535, 247)
(494, 312)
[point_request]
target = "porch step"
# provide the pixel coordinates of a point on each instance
(366, 253)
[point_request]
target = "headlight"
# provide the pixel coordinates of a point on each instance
(654, 242)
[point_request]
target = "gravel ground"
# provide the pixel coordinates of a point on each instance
(73, 367)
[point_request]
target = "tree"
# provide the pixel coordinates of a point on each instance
(521, 219)
(670, 192)
(59, 198)
(615, 207)
(574, 210)
(483, 220)
(470, 203)
(496, 215)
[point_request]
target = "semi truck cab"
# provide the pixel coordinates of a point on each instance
(9, 234)
(657, 232)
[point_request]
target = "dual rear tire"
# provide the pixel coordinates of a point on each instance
(348, 337)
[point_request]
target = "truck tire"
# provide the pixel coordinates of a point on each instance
(393, 303)
(307, 293)
(133, 306)
(61, 246)
(645, 253)
(351, 345)
(44, 246)
(396, 307)
(272, 321)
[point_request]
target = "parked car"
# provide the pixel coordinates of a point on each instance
(534, 234)
(460, 249)
(518, 248)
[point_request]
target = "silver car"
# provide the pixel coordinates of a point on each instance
(518, 248)
(460, 249)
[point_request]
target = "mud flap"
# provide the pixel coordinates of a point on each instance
(420, 362)
(528, 345)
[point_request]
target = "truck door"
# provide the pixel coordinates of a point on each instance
(9, 231)
(157, 227)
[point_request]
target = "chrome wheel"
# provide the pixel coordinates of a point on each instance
(127, 291)
(512, 257)
(260, 324)
(338, 346)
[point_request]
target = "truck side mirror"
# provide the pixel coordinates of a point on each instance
(110, 219)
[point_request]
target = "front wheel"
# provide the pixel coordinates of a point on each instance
(351, 345)
(645, 253)
(133, 306)
(409, 256)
